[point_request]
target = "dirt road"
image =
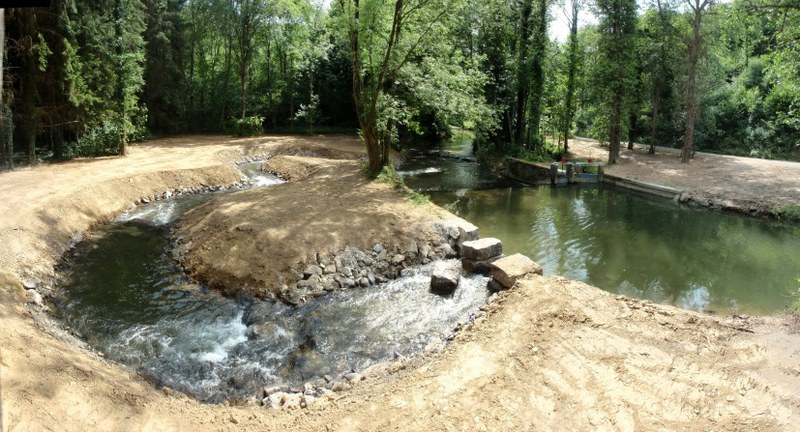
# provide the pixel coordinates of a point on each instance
(749, 185)
(550, 354)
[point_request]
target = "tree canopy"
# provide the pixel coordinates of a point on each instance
(83, 78)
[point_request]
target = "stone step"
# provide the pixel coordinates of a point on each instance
(508, 270)
(445, 278)
(482, 250)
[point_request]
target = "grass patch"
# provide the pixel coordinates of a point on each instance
(790, 212)
(390, 176)
(418, 198)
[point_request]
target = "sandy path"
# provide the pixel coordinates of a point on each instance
(747, 182)
(550, 355)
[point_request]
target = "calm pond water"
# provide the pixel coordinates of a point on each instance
(624, 242)
(642, 247)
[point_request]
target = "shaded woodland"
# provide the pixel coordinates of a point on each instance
(85, 78)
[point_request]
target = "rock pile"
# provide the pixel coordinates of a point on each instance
(354, 267)
(485, 256)
(477, 256)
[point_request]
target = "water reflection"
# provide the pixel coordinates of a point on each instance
(642, 247)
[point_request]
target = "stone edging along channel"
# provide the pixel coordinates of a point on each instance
(386, 263)
(537, 174)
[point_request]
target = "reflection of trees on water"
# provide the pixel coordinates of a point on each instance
(640, 246)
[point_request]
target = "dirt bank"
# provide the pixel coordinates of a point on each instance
(746, 185)
(550, 355)
(281, 230)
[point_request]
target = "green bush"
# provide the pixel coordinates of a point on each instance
(100, 141)
(418, 198)
(790, 212)
(248, 126)
(544, 152)
(390, 176)
(795, 306)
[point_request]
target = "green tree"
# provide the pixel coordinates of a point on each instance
(6, 126)
(572, 70)
(384, 37)
(617, 28)
(694, 44)
(164, 88)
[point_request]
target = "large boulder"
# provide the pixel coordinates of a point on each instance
(482, 250)
(445, 278)
(459, 230)
(479, 267)
(508, 270)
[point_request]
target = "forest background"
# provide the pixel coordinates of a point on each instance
(86, 77)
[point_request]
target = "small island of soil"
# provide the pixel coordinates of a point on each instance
(328, 227)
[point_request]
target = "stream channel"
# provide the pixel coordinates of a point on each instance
(620, 241)
(123, 293)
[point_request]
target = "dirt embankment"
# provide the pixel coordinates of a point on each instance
(745, 185)
(551, 354)
(261, 241)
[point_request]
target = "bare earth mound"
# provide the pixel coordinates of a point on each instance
(248, 241)
(550, 354)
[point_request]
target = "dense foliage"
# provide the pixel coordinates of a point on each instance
(82, 78)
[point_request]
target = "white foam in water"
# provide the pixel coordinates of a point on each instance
(696, 298)
(430, 170)
(159, 213)
(223, 337)
(262, 180)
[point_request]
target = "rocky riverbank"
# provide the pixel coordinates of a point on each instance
(328, 229)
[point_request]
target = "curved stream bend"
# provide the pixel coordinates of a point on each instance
(128, 298)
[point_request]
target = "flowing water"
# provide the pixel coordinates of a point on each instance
(126, 296)
(450, 167)
(628, 243)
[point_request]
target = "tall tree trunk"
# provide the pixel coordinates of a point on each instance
(616, 119)
(523, 74)
(656, 113)
(572, 68)
(658, 82)
(244, 92)
(616, 99)
(694, 45)
(57, 137)
(192, 87)
(539, 43)
(4, 151)
(632, 126)
(28, 82)
(366, 97)
(121, 77)
(227, 79)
